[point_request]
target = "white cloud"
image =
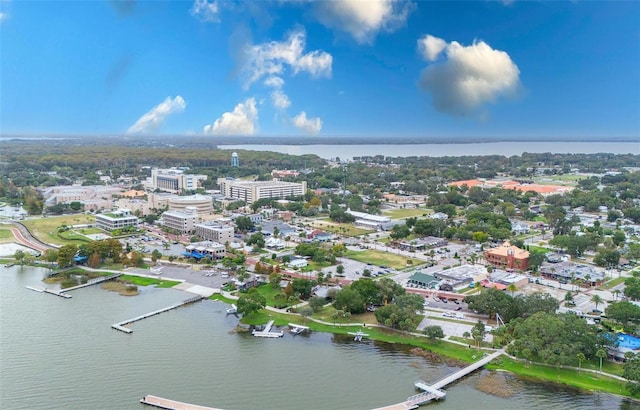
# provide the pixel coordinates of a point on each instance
(280, 99)
(430, 47)
(270, 59)
(150, 121)
(274, 82)
(206, 11)
(309, 125)
(3, 16)
(469, 77)
(364, 19)
(240, 121)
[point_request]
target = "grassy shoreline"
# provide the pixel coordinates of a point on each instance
(568, 376)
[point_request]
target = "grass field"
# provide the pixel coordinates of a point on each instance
(380, 258)
(6, 236)
(402, 213)
(612, 283)
(142, 281)
(342, 229)
(46, 229)
(268, 292)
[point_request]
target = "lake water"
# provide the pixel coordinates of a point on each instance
(60, 353)
(506, 148)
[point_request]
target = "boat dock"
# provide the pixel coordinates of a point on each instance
(434, 392)
(168, 404)
(266, 332)
(90, 282)
(121, 326)
(56, 292)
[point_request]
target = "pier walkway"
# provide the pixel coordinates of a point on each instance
(434, 392)
(93, 281)
(168, 404)
(121, 325)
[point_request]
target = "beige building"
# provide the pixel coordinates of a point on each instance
(202, 203)
(180, 221)
(136, 206)
(251, 191)
(119, 219)
(215, 232)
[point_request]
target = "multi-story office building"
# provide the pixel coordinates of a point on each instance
(251, 191)
(175, 180)
(214, 231)
(180, 220)
(508, 256)
(119, 219)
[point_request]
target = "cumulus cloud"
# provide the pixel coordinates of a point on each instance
(364, 19)
(280, 99)
(150, 121)
(430, 47)
(240, 121)
(206, 11)
(273, 58)
(274, 82)
(309, 125)
(467, 77)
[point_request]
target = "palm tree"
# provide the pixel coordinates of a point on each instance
(512, 288)
(596, 299)
(580, 356)
(616, 293)
(601, 353)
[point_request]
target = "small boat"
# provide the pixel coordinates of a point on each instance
(297, 329)
(357, 337)
(232, 310)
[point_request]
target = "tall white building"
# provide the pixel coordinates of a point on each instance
(251, 191)
(235, 162)
(175, 180)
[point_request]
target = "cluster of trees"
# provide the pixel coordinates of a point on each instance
(319, 253)
(491, 301)
(99, 251)
(557, 339)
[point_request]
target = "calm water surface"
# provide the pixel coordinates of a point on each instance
(62, 354)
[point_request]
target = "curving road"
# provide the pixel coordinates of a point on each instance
(24, 237)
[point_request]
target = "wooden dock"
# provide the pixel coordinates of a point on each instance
(434, 392)
(93, 281)
(56, 292)
(169, 404)
(267, 332)
(121, 326)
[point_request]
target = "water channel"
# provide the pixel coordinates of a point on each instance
(60, 353)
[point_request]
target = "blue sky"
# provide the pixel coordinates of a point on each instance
(338, 68)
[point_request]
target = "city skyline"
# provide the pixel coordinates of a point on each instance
(349, 68)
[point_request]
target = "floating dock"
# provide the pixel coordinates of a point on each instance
(121, 326)
(169, 404)
(266, 332)
(57, 293)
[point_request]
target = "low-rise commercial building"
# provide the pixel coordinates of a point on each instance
(507, 256)
(119, 219)
(184, 222)
(214, 231)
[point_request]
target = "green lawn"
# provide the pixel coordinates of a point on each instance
(402, 213)
(46, 229)
(142, 281)
(268, 292)
(6, 236)
(538, 248)
(380, 258)
(612, 283)
(339, 228)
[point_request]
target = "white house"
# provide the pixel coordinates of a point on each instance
(298, 262)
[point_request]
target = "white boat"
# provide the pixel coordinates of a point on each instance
(358, 335)
(232, 310)
(297, 329)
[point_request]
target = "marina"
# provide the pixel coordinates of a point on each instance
(267, 332)
(121, 326)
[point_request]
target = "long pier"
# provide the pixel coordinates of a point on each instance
(169, 404)
(93, 281)
(434, 392)
(121, 326)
